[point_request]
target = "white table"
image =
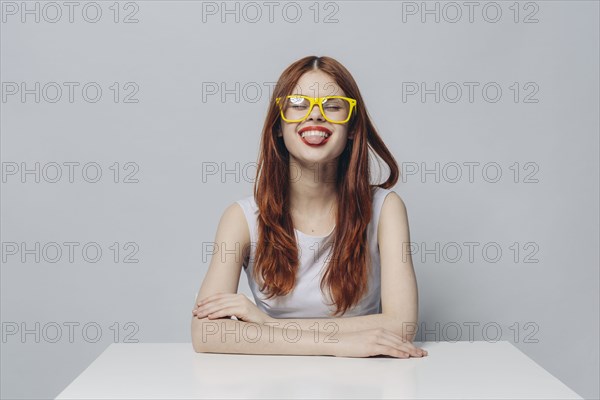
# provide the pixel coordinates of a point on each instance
(452, 370)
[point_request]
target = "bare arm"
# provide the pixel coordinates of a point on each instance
(227, 335)
(399, 294)
(349, 324)
(352, 336)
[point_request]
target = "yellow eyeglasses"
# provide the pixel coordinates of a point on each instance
(335, 109)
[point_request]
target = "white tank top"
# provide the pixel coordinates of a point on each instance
(306, 299)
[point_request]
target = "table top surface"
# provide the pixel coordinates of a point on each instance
(452, 370)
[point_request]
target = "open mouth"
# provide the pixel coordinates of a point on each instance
(314, 137)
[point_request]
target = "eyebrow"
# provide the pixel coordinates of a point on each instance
(299, 94)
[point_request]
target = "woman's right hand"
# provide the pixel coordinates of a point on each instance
(374, 342)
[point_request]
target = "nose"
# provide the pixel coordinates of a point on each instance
(315, 113)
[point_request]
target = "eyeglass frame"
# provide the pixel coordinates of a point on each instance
(319, 102)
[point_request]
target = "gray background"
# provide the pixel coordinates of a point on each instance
(173, 135)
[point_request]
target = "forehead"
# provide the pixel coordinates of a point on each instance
(317, 84)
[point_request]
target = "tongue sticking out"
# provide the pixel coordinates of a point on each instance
(314, 139)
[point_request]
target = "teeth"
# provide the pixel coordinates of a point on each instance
(315, 133)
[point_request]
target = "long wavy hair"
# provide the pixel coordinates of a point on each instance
(277, 256)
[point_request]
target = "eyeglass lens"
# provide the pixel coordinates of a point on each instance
(298, 108)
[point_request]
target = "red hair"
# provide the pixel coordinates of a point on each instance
(277, 256)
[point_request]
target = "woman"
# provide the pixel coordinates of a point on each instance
(328, 245)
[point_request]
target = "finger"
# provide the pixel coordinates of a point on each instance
(232, 305)
(225, 312)
(394, 343)
(214, 297)
(195, 311)
(214, 306)
(422, 350)
(409, 344)
(402, 344)
(201, 313)
(387, 350)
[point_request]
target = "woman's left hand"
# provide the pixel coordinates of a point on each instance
(221, 305)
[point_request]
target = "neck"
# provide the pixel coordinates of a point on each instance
(312, 189)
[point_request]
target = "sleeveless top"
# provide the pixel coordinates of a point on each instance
(306, 300)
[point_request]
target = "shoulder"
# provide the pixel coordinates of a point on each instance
(393, 218)
(392, 202)
(389, 201)
(234, 211)
(234, 223)
(247, 204)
